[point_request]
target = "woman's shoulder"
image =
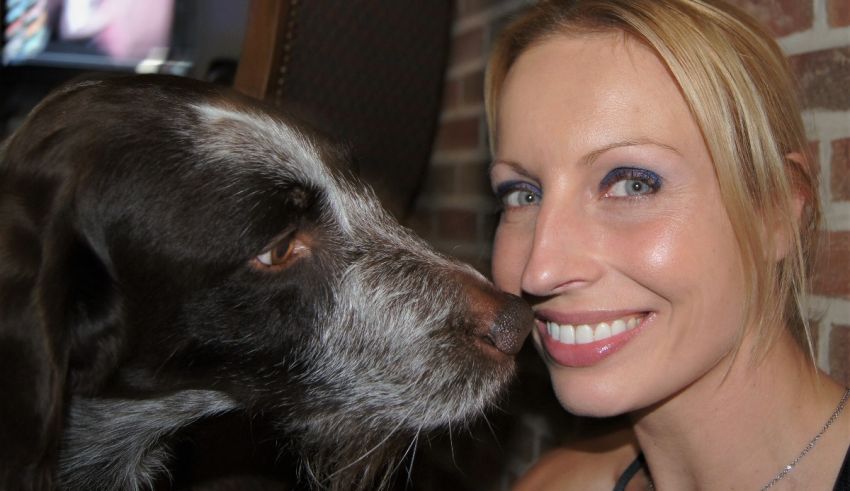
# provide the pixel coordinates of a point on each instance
(588, 463)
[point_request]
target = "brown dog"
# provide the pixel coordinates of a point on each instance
(171, 253)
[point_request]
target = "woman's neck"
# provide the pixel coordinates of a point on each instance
(741, 423)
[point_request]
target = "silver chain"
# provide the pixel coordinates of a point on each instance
(814, 441)
(788, 468)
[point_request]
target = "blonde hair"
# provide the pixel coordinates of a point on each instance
(740, 91)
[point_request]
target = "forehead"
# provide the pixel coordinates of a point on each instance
(256, 142)
(588, 91)
(253, 142)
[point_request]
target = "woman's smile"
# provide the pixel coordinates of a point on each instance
(585, 341)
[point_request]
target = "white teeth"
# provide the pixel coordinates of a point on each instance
(602, 331)
(617, 327)
(568, 335)
(585, 333)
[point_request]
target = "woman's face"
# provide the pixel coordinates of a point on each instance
(613, 225)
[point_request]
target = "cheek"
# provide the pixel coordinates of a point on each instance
(510, 254)
(683, 255)
(657, 248)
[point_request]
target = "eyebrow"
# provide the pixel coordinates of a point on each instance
(516, 166)
(595, 154)
(592, 156)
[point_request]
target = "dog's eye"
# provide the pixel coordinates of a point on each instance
(284, 251)
(279, 254)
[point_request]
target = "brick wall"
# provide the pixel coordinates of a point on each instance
(457, 214)
(816, 37)
(456, 211)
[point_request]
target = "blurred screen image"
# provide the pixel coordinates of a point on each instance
(87, 32)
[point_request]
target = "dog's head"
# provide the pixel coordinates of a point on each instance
(169, 251)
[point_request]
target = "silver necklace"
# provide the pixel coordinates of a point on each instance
(814, 441)
(788, 468)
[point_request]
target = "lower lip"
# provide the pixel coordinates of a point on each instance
(585, 355)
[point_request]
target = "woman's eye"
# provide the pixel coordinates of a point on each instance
(626, 182)
(520, 197)
(629, 187)
(516, 195)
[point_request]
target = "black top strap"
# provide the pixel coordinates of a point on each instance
(843, 481)
(841, 484)
(633, 468)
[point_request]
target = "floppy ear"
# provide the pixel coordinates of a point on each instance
(33, 352)
(59, 319)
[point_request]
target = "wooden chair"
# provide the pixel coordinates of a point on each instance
(370, 72)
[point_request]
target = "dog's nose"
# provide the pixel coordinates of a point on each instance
(512, 324)
(499, 319)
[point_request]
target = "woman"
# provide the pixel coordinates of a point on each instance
(659, 212)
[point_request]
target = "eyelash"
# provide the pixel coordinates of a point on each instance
(642, 176)
(507, 189)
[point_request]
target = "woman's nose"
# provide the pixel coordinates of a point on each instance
(563, 253)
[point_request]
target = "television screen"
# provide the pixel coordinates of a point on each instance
(95, 34)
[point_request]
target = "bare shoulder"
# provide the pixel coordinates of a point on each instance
(589, 464)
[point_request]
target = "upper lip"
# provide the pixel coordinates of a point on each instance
(587, 316)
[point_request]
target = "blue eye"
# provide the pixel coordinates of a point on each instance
(625, 182)
(515, 194)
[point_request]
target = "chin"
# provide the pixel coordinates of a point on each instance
(590, 398)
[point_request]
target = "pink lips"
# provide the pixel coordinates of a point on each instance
(584, 355)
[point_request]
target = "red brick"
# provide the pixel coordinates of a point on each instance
(838, 13)
(781, 17)
(839, 353)
(814, 150)
(839, 181)
(473, 88)
(452, 93)
(824, 78)
(499, 23)
(473, 180)
(479, 262)
(831, 276)
(489, 221)
(474, 6)
(440, 180)
(467, 46)
(421, 222)
(459, 134)
(457, 224)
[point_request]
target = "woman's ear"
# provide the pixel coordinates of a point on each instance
(784, 227)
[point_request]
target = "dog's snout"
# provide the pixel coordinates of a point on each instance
(512, 324)
(502, 320)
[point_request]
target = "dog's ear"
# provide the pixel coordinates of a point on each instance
(33, 350)
(93, 315)
(60, 325)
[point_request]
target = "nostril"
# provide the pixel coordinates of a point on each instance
(487, 338)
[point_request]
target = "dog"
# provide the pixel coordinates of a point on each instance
(173, 254)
